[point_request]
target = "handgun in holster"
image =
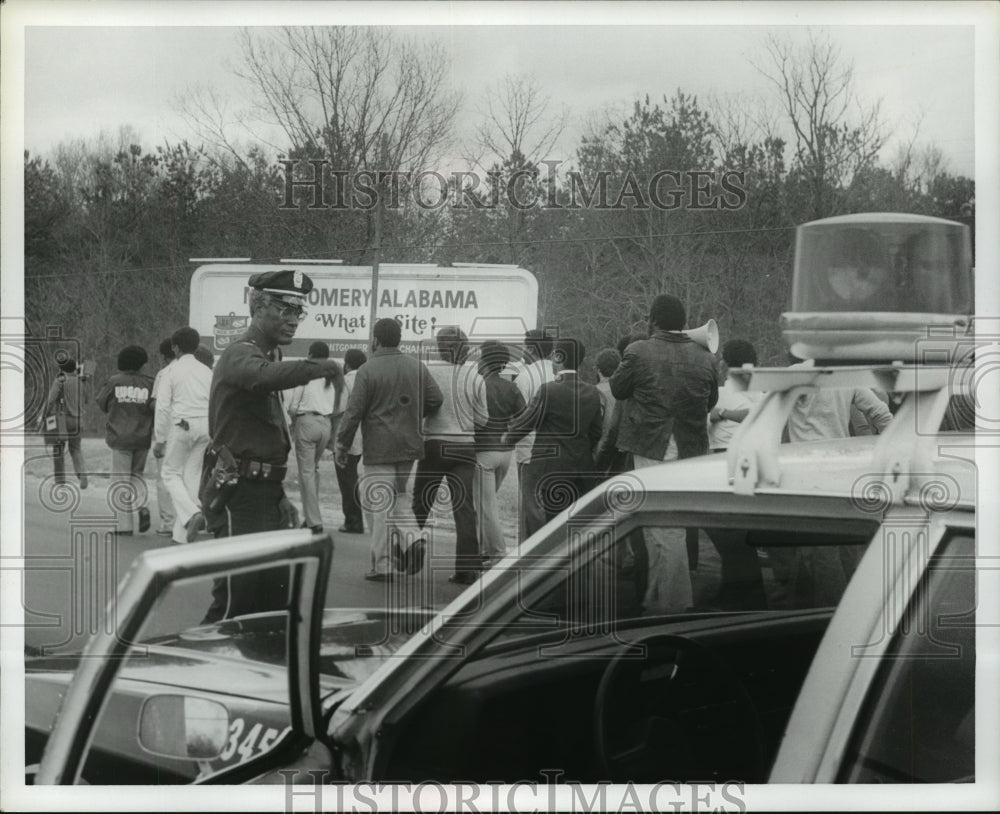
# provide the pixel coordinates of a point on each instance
(219, 478)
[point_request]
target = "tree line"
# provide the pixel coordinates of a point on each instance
(110, 224)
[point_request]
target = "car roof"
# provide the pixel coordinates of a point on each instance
(833, 467)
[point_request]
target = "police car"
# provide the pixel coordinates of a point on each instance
(831, 637)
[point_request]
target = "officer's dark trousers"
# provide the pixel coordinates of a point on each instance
(252, 507)
(456, 463)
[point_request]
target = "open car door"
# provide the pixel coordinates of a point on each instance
(152, 576)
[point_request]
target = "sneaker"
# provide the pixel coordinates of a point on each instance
(143, 520)
(414, 556)
(195, 526)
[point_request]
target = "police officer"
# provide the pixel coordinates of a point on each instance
(246, 417)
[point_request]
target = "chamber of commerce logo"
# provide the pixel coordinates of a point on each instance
(227, 328)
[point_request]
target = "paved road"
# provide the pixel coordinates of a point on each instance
(74, 562)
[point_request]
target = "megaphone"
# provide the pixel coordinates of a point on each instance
(707, 336)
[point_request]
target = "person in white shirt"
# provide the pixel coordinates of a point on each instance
(347, 475)
(182, 420)
(734, 404)
(164, 505)
(450, 450)
(535, 371)
(310, 408)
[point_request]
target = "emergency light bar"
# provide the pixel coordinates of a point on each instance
(869, 287)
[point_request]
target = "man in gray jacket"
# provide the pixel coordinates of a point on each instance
(668, 384)
(392, 393)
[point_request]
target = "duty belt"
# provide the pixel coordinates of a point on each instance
(259, 470)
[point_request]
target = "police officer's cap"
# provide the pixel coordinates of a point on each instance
(289, 285)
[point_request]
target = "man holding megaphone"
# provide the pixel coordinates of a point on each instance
(668, 383)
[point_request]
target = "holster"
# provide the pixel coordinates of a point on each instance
(219, 476)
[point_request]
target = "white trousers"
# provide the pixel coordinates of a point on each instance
(669, 587)
(181, 471)
(491, 469)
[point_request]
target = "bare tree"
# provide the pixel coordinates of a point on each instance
(339, 89)
(835, 133)
(518, 119)
(332, 92)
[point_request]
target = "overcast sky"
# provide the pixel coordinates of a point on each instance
(80, 80)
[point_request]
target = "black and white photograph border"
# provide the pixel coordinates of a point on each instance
(62, 79)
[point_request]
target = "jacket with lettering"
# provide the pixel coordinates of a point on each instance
(127, 398)
(668, 383)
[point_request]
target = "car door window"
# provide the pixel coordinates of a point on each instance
(179, 681)
(650, 567)
(918, 723)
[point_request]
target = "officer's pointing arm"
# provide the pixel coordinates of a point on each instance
(252, 370)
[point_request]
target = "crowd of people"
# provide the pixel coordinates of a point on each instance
(222, 437)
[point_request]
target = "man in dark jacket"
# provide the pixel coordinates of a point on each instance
(567, 418)
(668, 383)
(127, 398)
(392, 393)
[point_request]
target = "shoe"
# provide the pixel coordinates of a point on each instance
(378, 576)
(316, 529)
(165, 531)
(194, 526)
(414, 556)
(463, 578)
(143, 520)
(83, 480)
(351, 530)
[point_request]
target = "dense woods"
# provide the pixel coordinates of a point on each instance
(110, 224)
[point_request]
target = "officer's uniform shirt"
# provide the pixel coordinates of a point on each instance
(245, 412)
